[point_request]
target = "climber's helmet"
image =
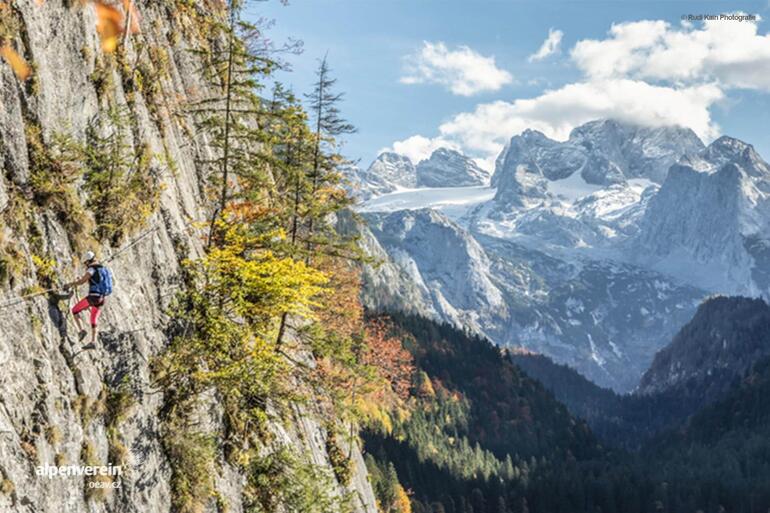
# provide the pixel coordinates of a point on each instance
(89, 257)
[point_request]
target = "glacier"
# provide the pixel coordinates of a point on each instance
(593, 251)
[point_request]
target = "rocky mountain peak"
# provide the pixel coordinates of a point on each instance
(393, 168)
(599, 130)
(710, 218)
(389, 172)
(530, 134)
(605, 152)
(449, 168)
(728, 149)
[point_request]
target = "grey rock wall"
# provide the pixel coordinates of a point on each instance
(44, 374)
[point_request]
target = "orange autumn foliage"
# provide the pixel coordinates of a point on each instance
(343, 312)
(387, 354)
(130, 9)
(367, 369)
(109, 25)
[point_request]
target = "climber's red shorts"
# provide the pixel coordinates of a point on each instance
(94, 302)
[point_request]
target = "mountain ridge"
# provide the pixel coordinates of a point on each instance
(642, 234)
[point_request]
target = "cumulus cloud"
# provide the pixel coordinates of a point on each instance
(733, 54)
(549, 47)
(483, 132)
(463, 71)
(646, 72)
(419, 148)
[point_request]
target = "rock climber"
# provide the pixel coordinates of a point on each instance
(99, 279)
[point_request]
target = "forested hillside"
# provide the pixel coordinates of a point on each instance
(712, 462)
(703, 362)
(617, 420)
(479, 429)
(724, 338)
(232, 365)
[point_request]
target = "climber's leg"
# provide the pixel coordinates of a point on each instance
(79, 307)
(96, 310)
(93, 334)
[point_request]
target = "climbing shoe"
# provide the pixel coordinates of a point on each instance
(90, 346)
(81, 335)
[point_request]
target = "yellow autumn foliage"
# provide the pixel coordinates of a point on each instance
(257, 285)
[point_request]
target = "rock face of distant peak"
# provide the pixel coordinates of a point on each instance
(604, 152)
(727, 150)
(393, 168)
(710, 221)
(536, 152)
(389, 172)
(449, 168)
(640, 152)
(443, 258)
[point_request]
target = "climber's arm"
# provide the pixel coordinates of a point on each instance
(80, 281)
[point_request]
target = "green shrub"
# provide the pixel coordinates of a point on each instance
(341, 464)
(121, 179)
(283, 481)
(192, 457)
(55, 170)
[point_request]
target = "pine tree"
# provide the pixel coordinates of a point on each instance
(293, 151)
(326, 160)
(318, 193)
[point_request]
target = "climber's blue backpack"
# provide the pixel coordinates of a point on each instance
(101, 281)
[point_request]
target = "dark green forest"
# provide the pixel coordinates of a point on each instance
(487, 438)
(716, 348)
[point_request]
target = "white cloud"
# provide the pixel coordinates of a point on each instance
(463, 71)
(731, 53)
(644, 72)
(483, 132)
(419, 148)
(549, 47)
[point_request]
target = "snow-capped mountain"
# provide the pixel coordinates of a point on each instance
(602, 152)
(443, 260)
(449, 168)
(571, 251)
(389, 172)
(597, 316)
(710, 221)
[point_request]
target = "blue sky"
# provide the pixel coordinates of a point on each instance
(402, 64)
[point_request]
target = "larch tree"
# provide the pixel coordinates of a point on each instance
(232, 119)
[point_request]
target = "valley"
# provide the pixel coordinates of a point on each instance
(547, 293)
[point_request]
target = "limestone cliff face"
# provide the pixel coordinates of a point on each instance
(47, 383)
